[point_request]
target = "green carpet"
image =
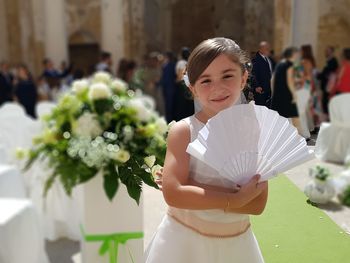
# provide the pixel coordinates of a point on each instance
(292, 231)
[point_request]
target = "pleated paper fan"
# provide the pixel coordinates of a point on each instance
(248, 139)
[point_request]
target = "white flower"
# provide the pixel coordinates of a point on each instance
(122, 156)
(119, 85)
(99, 91)
(21, 153)
(87, 125)
(143, 113)
(162, 125)
(128, 132)
(80, 86)
(171, 124)
(150, 160)
(155, 169)
(103, 77)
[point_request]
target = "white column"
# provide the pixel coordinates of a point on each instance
(3, 30)
(304, 23)
(56, 46)
(112, 29)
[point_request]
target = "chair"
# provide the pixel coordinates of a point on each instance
(16, 130)
(44, 107)
(21, 236)
(58, 213)
(333, 141)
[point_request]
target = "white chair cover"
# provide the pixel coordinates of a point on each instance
(333, 141)
(44, 107)
(21, 237)
(11, 182)
(58, 214)
(16, 130)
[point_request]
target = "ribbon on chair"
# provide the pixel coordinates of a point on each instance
(110, 242)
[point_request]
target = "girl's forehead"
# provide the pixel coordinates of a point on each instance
(221, 62)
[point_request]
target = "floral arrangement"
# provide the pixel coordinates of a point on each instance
(101, 126)
(320, 173)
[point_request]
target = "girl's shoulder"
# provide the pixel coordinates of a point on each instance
(179, 136)
(180, 129)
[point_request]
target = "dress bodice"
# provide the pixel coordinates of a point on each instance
(202, 173)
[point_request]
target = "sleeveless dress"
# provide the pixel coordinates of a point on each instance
(203, 236)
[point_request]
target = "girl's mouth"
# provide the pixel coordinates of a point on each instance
(220, 99)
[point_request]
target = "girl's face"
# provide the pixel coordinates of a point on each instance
(219, 86)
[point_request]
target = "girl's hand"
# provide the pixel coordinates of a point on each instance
(159, 178)
(252, 189)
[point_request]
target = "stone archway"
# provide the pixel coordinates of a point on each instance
(333, 30)
(84, 51)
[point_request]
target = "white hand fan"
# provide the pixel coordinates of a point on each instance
(248, 139)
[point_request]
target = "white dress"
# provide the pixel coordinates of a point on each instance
(174, 242)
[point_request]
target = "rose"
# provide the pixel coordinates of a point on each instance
(103, 77)
(162, 125)
(99, 91)
(156, 169)
(119, 85)
(150, 160)
(49, 136)
(79, 86)
(143, 113)
(121, 156)
(171, 124)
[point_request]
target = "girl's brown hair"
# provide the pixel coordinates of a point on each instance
(210, 49)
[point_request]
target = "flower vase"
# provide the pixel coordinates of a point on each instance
(102, 217)
(319, 191)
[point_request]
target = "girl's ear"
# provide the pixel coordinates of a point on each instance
(193, 90)
(244, 79)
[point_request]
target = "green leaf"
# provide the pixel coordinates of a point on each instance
(110, 185)
(132, 182)
(102, 105)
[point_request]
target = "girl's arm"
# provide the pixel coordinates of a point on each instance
(179, 193)
(254, 207)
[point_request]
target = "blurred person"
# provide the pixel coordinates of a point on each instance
(44, 92)
(181, 63)
(126, 69)
(343, 79)
(167, 82)
(283, 87)
(307, 98)
(183, 99)
(105, 62)
(121, 69)
(52, 75)
(328, 76)
(273, 59)
(6, 83)
(262, 72)
(25, 90)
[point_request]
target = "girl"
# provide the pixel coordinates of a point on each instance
(207, 219)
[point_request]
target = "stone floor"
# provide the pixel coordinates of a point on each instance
(62, 250)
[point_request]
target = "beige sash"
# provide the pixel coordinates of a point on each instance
(208, 228)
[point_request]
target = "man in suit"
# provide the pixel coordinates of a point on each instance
(261, 79)
(330, 67)
(6, 83)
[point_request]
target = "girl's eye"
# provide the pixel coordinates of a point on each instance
(205, 81)
(228, 76)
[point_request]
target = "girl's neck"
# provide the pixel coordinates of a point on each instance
(205, 115)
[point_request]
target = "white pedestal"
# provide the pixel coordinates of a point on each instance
(100, 216)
